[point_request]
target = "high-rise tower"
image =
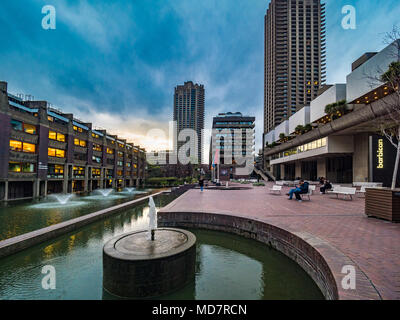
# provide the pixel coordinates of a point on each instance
(189, 111)
(294, 64)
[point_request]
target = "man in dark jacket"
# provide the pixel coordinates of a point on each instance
(302, 189)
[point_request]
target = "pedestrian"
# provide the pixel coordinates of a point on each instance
(201, 183)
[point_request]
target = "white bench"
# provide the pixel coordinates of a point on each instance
(368, 184)
(346, 191)
(275, 188)
(311, 189)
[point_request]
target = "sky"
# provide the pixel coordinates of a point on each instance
(116, 63)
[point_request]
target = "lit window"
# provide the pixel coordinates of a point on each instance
(50, 118)
(15, 145)
(56, 136)
(110, 151)
(14, 167)
(29, 147)
(52, 135)
(28, 128)
(52, 152)
(81, 143)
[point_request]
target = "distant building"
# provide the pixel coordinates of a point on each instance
(189, 113)
(233, 135)
(43, 151)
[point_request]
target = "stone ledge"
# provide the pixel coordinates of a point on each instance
(322, 262)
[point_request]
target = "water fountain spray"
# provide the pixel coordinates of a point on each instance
(152, 219)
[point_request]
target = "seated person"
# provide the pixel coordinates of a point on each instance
(303, 189)
(326, 186)
(297, 189)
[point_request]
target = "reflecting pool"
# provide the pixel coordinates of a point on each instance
(228, 266)
(17, 218)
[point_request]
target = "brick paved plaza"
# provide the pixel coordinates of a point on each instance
(369, 243)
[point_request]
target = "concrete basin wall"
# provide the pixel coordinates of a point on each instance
(316, 256)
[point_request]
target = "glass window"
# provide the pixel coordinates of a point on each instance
(56, 153)
(56, 136)
(97, 147)
(78, 142)
(14, 167)
(323, 142)
(29, 147)
(110, 151)
(28, 167)
(50, 118)
(16, 125)
(60, 153)
(28, 128)
(96, 159)
(15, 145)
(52, 135)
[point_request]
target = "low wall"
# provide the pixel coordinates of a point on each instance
(24, 241)
(316, 256)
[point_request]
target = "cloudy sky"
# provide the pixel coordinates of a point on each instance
(116, 63)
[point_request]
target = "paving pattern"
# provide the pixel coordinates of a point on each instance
(372, 244)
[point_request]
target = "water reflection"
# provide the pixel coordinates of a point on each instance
(22, 217)
(228, 267)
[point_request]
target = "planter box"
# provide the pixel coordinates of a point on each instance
(383, 203)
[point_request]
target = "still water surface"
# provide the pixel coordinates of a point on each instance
(228, 266)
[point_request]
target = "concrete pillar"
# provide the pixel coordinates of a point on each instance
(321, 167)
(65, 180)
(361, 158)
(45, 187)
(298, 169)
(36, 188)
(282, 177)
(6, 191)
(102, 180)
(86, 182)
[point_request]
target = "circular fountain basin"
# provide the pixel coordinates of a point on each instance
(136, 267)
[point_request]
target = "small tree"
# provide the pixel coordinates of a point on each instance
(390, 78)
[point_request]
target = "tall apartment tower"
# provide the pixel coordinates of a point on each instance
(189, 111)
(294, 67)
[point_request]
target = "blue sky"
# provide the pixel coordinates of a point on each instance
(116, 63)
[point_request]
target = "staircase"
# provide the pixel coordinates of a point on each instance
(266, 175)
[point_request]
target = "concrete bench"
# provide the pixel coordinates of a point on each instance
(345, 191)
(275, 189)
(311, 189)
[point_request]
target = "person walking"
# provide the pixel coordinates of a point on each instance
(201, 183)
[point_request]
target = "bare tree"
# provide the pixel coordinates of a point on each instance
(390, 78)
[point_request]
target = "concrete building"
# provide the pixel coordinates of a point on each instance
(189, 114)
(43, 151)
(348, 148)
(233, 143)
(294, 65)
